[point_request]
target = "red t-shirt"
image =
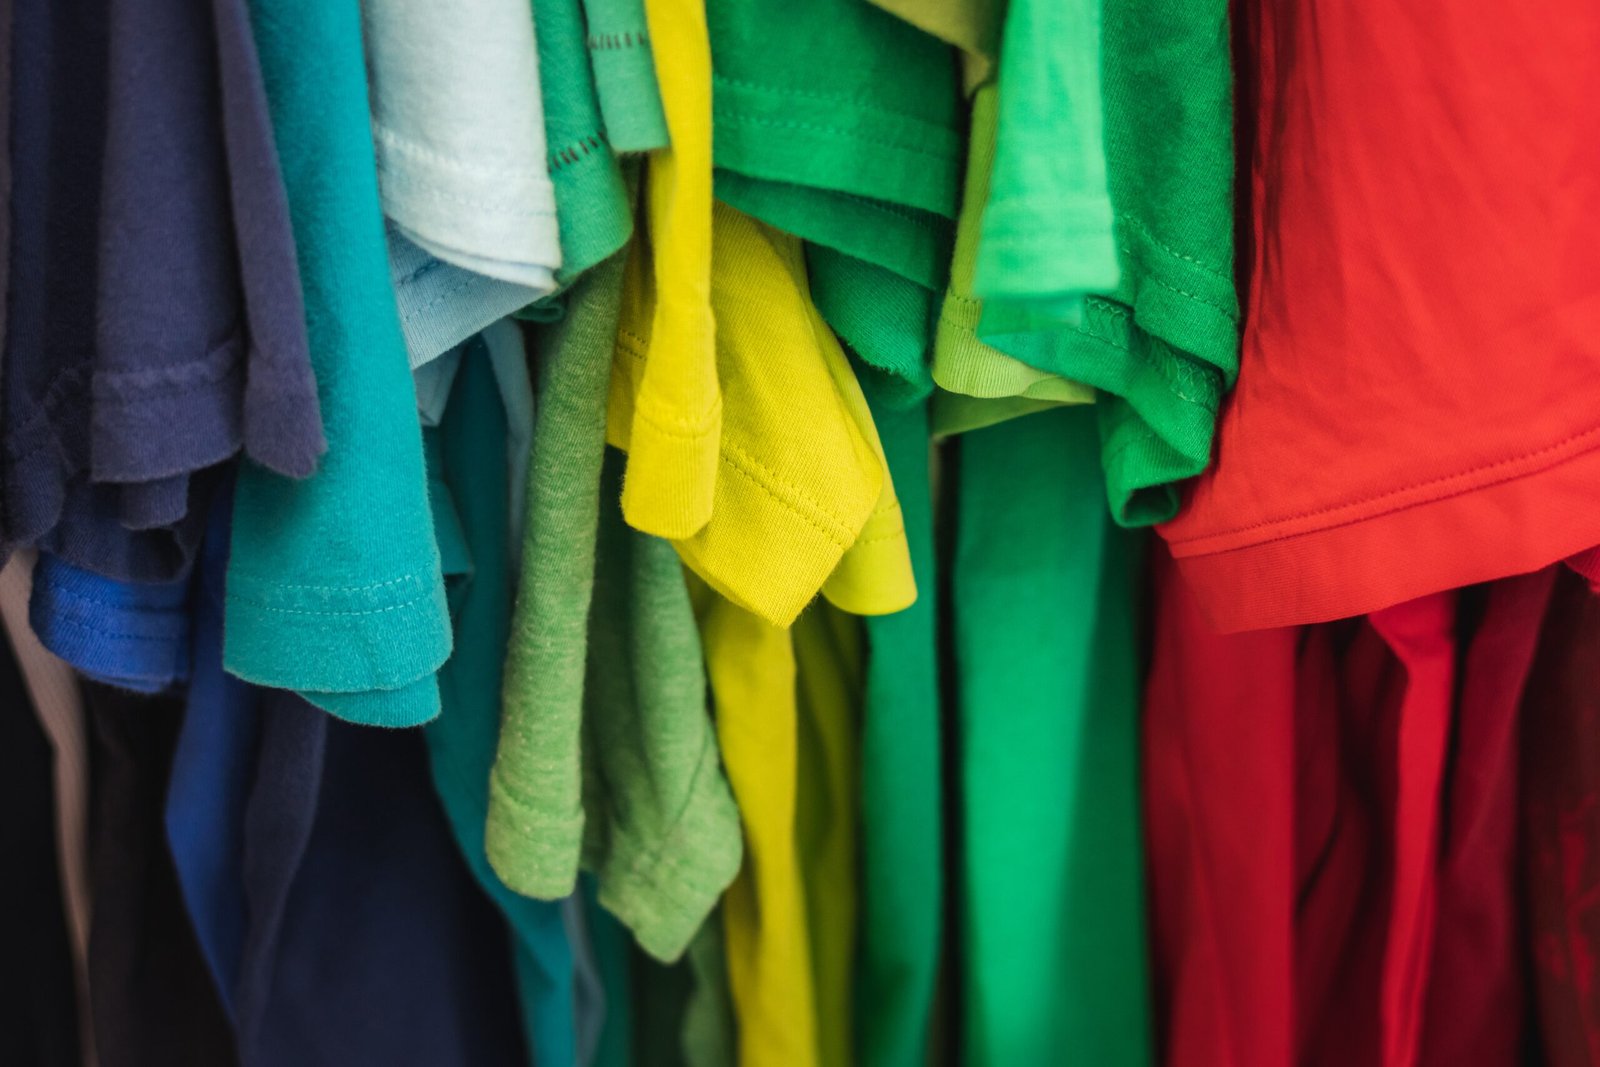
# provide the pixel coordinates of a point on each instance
(1418, 405)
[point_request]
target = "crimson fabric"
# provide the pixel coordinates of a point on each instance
(1475, 999)
(1415, 409)
(1329, 813)
(1218, 795)
(151, 999)
(1560, 822)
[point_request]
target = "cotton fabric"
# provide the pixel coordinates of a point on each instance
(1344, 482)
(375, 612)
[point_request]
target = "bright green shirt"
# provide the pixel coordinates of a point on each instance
(1046, 590)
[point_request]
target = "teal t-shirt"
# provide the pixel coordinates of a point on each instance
(334, 587)
(1045, 595)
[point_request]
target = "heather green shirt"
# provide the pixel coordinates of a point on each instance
(471, 499)
(1046, 591)
(607, 759)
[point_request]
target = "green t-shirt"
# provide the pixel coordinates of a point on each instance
(1046, 591)
(607, 757)
(471, 501)
(334, 583)
(594, 211)
(864, 164)
(902, 846)
(1162, 346)
(1000, 385)
(1047, 237)
(625, 74)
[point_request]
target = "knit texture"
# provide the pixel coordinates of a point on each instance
(625, 74)
(461, 741)
(962, 363)
(535, 818)
(334, 585)
(618, 771)
(792, 497)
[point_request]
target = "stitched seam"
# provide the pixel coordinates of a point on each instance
(1402, 490)
(404, 578)
(402, 605)
(406, 145)
(602, 42)
(821, 94)
(428, 267)
(768, 481)
(219, 359)
(1216, 272)
(467, 279)
(509, 208)
(636, 345)
(692, 429)
(97, 632)
(898, 535)
(1232, 314)
(149, 613)
(734, 118)
(575, 152)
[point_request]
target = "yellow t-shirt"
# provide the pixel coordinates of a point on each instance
(801, 499)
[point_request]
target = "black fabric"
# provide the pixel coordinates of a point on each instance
(38, 1005)
(151, 997)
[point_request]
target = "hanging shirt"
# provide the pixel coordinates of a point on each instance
(1047, 234)
(322, 598)
(163, 350)
(796, 505)
(866, 169)
(625, 75)
(291, 831)
(1160, 347)
(1383, 447)
(175, 346)
(1044, 593)
(472, 498)
(614, 768)
(1555, 820)
(458, 128)
(751, 668)
(1001, 385)
(828, 678)
(902, 829)
(592, 199)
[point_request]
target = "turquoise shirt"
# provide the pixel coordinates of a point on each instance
(334, 586)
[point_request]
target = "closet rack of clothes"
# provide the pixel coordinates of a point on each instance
(580, 533)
